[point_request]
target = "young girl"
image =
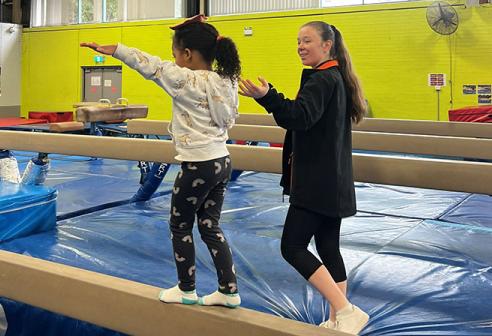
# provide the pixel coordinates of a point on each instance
(317, 164)
(205, 105)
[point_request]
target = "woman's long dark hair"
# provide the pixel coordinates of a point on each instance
(358, 104)
(205, 39)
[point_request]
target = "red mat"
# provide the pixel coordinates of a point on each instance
(472, 114)
(52, 117)
(20, 121)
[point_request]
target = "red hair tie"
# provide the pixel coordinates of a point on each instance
(196, 18)
(219, 37)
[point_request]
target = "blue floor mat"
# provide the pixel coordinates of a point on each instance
(421, 273)
(432, 280)
(132, 242)
(84, 184)
(405, 201)
(414, 276)
(475, 210)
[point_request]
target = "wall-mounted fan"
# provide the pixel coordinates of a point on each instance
(442, 18)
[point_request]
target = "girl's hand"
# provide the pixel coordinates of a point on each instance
(106, 49)
(249, 89)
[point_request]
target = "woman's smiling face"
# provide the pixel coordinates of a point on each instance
(311, 48)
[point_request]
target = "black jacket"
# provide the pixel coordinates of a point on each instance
(318, 143)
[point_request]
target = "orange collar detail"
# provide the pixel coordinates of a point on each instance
(327, 65)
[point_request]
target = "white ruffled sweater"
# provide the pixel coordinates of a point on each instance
(205, 105)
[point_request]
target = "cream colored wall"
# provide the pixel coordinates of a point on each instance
(10, 77)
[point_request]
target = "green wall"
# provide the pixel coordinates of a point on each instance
(392, 48)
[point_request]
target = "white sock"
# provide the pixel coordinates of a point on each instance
(329, 324)
(176, 295)
(219, 299)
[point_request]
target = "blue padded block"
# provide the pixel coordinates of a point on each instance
(25, 209)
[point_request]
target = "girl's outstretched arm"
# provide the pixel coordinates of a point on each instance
(106, 49)
(166, 74)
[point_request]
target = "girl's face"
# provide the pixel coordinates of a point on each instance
(311, 48)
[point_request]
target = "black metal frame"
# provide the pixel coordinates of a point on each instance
(192, 7)
(6, 12)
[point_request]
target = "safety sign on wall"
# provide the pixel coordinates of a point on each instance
(437, 80)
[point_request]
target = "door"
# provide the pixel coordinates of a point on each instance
(101, 82)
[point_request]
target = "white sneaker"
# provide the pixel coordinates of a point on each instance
(351, 320)
(329, 324)
(220, 299)
(176, 295)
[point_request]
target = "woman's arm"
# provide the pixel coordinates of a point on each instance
(166, 74)
(298, 114)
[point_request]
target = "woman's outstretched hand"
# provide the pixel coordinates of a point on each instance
(106, 49)
(249, 89)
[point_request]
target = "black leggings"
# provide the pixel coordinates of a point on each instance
(199, 191)
(300, 226)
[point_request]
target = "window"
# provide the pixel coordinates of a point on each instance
(88, 11)
(154, 9)
(113, 10)
(333, 3)
(53, 12)
(63, 12)
(226, 7)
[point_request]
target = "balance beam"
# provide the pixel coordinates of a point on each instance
(237, 132)
(130, 307)
(424, 127)
(423, 144)
(473, 177)
(386, 142)
(256, 119)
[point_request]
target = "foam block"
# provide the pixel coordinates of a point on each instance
(25, 210)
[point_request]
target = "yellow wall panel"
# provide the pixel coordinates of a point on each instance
(52, 79)
(473, 53)
(101, 36)
(155, 40)
(392, 47)
(271, 52)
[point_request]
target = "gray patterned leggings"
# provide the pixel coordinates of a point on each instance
(199, 190)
